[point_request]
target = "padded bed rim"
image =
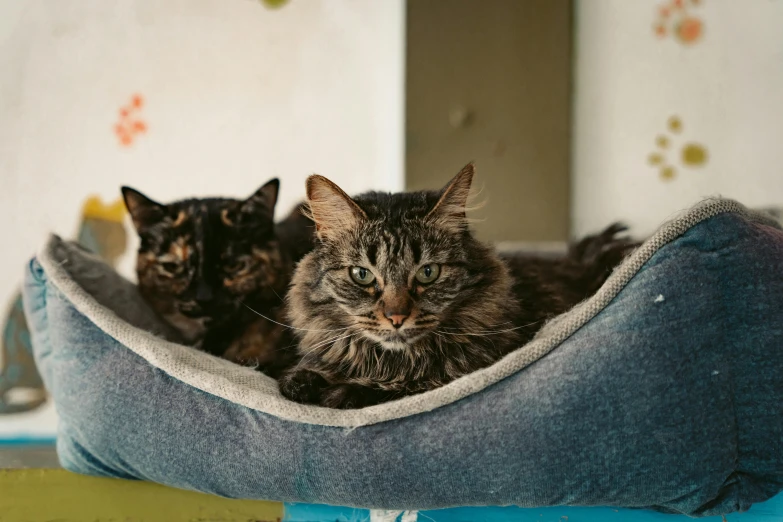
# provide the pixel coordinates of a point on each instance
(254, 390)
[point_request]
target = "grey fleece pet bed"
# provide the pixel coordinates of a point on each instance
(663, 390)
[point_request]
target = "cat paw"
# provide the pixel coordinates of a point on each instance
(351, 397)
(303, 386)
(691, 154)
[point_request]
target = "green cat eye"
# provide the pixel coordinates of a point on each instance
(428, 273)
(361, 275)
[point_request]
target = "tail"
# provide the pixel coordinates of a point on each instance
(601, 253)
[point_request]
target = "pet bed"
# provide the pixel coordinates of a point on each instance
(662, 391)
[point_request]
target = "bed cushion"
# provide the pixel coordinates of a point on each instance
(662, 391)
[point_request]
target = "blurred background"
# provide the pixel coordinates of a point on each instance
(577, 113)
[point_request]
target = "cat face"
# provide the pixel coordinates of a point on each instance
(392, 269)
(201, 259)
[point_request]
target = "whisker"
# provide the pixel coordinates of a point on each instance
(278, 295)
(438, 334)
(294, 327)
(489, 332)
(328, 341)
(281, 348)
(494, 325)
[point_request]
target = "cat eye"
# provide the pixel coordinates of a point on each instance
(171, 268)
(241, 265)
(361, 275)
(427, 274)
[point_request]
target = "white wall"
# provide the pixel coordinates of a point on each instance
(234, 94)
(726, 87)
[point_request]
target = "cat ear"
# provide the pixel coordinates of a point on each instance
(449, 211)
(331, 208)
(144, 211)
(265, 197)
(263, 200)
(260, 204)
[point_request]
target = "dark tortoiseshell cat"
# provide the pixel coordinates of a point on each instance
(203, 262)
(398, 297)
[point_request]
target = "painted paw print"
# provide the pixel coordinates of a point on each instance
(274, 4)
(131, 124)
(674, 17)
(691, 154)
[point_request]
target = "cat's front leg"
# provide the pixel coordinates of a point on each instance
(303, 386)
(215, 341)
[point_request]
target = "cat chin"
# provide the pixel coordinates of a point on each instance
(395, 345)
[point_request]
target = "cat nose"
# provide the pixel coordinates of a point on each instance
(397, 318)
(396, 306)
(203, 293)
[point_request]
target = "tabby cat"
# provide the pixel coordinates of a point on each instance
(398, 297)
(207, 265)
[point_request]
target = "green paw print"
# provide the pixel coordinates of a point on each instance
(274, 4)
(691, 155)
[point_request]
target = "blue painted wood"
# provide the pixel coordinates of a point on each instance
(22, 440)
(317, 513)
(770, 511)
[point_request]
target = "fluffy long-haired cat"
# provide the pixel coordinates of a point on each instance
(205, 266)
(398, 297)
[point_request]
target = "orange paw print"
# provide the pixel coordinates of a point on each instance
(130, 124)
(674, 17)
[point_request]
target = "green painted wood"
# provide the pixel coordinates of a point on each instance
(49, 495)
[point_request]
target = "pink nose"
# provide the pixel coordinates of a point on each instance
(397, 319)
(396, 305)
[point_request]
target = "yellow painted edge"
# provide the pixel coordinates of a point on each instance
(38, 495)
(95, 208)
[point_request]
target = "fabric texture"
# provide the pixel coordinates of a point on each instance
(663, 390)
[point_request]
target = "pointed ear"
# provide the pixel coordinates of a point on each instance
(144, 211)
(331, 208)
(449, 211)
(260, 204)
(266, 196)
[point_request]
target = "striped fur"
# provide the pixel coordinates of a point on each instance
(475, 312)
